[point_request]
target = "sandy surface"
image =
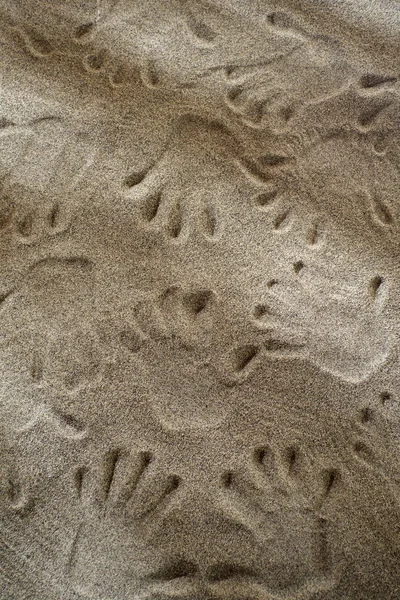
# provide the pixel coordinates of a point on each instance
(199, 300)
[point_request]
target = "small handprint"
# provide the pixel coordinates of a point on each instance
(61, 341)
(313, 311)
(336, 326)
(177, 327)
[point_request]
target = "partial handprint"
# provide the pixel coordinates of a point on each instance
(269, 96)
(375, 440)
(35, 210)
(16, 497)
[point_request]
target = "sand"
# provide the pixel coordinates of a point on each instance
(199, 300)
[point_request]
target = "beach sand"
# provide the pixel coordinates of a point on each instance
(199, 300)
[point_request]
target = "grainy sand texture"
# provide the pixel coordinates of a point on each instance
(199, 300)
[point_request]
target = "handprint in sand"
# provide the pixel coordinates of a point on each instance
(176, 197)
(336, 325)
(284, 497)
(122, 499)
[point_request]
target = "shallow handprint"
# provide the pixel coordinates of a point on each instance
(269, 96)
